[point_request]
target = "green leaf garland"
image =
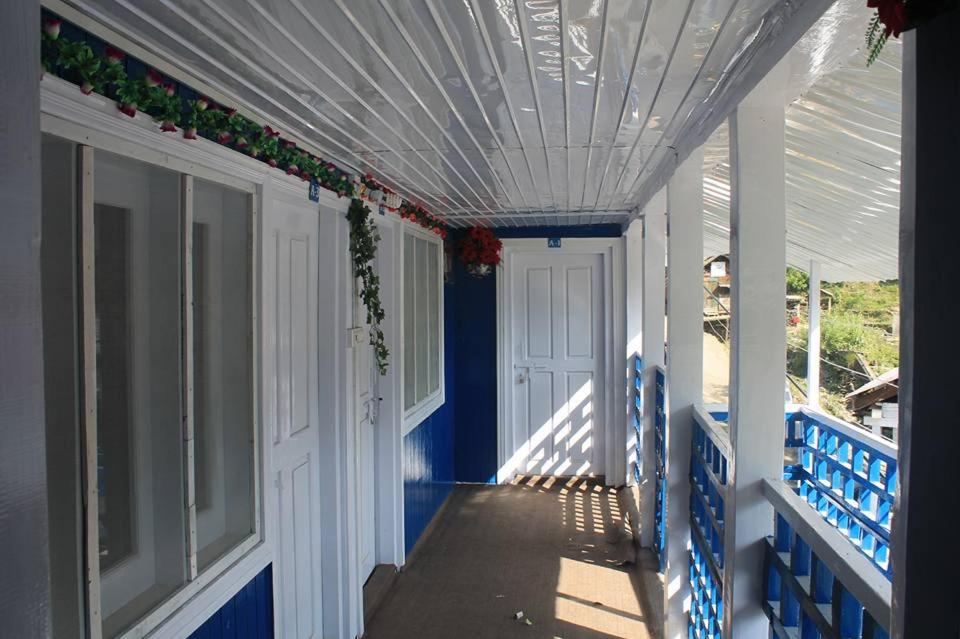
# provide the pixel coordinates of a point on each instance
(363, 248)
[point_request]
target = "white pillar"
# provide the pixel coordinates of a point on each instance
(684, 375)
(758, 353)
(634, 285)
(654, 309)
(813, 338)
(24, 579)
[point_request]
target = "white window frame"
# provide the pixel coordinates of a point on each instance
(417, 413)
(92, 124)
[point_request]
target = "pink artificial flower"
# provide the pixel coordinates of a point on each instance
(293, 169)
(154, 79)
(190, 133)
(51, 27)
(289, 144)
(168, 126)
(231, 113)
(128, 108)
(272, 162)
(86, 88)
(224, 137)
(253, 151)
(114, 56)
(241, 142)
(202, 104)
(168, 87)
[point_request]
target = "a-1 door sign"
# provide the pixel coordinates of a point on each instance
(553, 242)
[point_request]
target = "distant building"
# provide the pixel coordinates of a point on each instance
(875, 404)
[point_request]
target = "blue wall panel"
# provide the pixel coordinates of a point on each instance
(428, 449)
(248, 615)
(476, 355)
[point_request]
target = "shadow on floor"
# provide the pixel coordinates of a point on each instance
(554, 548)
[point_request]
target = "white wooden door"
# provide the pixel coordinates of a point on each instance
(291, 407)
(556, 311)
(365, 418)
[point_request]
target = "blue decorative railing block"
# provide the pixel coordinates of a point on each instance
(848, 477)
(803, 599)
(708, 490)
(637, 416)
(660, 435)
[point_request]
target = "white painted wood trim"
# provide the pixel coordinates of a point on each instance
(611, 250)
(852, 568)
(713, 430)
(186, 346)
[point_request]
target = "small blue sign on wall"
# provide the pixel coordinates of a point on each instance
(314, 192)
(553, 242)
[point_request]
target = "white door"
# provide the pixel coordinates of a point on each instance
(365, 417)
(291, 407)
(556, 315)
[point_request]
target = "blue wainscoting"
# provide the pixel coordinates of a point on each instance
(248, 615)
(428, 459)
(476, 355)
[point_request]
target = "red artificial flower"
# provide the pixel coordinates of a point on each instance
(128, 108)
(231, 113)
(224, 137)
(153, 78)
(86, 88)
(289, 144)
(272, 162)
(241, 142)
(270, 133)
(114, 56)
(168, 126)
(893, 15)
(168, 87)
(51, 27)
(190, 133)
(306, 177)
(293, 169)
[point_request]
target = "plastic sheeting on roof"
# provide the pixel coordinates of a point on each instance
(500, 111)
(842, 166)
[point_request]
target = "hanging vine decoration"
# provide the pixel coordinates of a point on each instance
(363, 249)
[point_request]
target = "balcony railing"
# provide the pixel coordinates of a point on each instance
(826, 570)
(708, 494)
(816, 585)
(849, 476)
(660, 446)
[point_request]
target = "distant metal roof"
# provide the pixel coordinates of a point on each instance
(842, 171)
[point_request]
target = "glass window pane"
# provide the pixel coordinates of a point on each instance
(222, 363)
(140, 476)
(431, 282)
(422, 322)
(409, 313)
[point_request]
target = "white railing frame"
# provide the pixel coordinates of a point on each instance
(849, 566)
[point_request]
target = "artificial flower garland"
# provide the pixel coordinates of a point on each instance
(158, 96)
(363, 247)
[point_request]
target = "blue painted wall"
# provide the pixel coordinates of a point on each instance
(476, 356)
(428, 463)
(248, 615)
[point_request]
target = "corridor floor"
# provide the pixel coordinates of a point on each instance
(555, 549)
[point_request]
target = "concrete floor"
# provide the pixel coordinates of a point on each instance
(555, 549)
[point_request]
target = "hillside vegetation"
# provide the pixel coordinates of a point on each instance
(856, 334)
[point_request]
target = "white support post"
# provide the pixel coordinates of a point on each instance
(634, 285)
(813, 337)
(654, 310)
(684, 376)
(758, 353)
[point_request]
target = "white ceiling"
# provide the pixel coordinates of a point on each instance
(842, 161)
(486, 111)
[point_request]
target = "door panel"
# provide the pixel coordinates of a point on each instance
(365, 414)
(291, 408)
(556, 303)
